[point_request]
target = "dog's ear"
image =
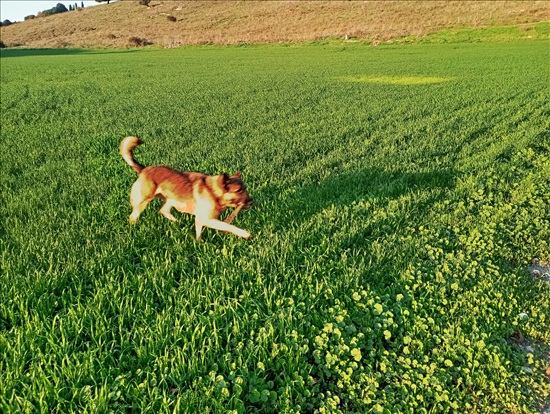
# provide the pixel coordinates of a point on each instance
(237, 174)
(223, 180)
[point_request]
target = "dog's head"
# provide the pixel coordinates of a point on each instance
(235, 194)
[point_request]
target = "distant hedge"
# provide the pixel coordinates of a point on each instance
(59, 8)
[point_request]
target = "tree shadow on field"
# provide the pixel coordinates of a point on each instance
(353, 210)
(340, 189)
(23, 52)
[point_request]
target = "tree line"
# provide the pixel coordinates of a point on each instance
(59, 8)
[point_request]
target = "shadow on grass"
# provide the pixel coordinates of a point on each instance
(23, 52)
(364, 213)
(341, 189)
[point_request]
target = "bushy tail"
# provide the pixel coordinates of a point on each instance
(126, 147)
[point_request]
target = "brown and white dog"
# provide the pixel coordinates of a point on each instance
(205, 196)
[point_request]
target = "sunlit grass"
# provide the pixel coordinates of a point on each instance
(393, 230)
(396, 80)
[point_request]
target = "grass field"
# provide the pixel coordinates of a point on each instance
(403, 191)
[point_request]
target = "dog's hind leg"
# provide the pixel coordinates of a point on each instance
(138, 208)
(140, 196)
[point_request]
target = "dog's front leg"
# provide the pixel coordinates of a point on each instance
(220, 225)
(165, 210)
(198, 229)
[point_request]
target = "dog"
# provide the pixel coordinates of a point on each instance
(204, 196)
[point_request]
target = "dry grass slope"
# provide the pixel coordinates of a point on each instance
(170, 24)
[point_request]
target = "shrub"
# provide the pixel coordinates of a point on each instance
(60, 8)
(30, 17)
(2, 45)
(138, 41)
(144, 2)
(172, 18)
(5, 23)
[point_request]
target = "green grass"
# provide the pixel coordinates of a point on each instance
(395, 224)
(522, 32)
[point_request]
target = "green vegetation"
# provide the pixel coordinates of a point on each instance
(59, 8)
(403, 191)
(486, 34)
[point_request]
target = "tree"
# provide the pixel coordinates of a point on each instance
(101, 1)
(5, 23)
(82, 4)
(60, 8)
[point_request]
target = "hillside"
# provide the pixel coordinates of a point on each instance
(171, 24)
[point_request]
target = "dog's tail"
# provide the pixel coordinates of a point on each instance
(126, 147)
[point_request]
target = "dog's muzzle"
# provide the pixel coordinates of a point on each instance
(247, 204)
